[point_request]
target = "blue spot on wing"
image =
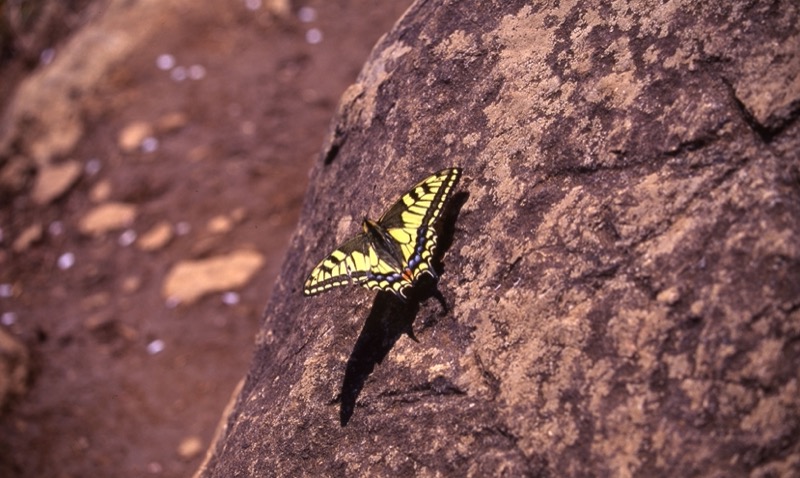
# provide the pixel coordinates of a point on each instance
(391, 278)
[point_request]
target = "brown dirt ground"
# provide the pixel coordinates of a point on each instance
(99, 404)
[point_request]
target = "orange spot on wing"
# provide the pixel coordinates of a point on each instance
(407, 275)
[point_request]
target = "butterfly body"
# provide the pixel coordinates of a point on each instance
(393, 252)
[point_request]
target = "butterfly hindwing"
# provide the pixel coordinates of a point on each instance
(382, 275)
(394, 251)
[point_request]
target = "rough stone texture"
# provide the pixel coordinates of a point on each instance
(156, 237)
(107, 217)
(40, 119)
(14, 368)
(30, 235)
(54, 180)
(622, 267)
(187, 281)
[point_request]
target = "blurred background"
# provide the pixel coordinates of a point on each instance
(153, 160)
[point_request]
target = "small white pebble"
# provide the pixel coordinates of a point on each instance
(252, 5)
(248, 128)
(155, 346)
(82, 443)
(66, 261)
(178, 73)
(165, 62)
(127, 238)
(172, 302)
(307, 14)
(6, 290)
(149, 144)
(182, 228)
(230, 298)
(314, 36)
(8, 318)
(56, 228)
(47, 56)
(93, 166)
(197, 72)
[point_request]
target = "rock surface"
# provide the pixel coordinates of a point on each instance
(107, 217)
(53, 180)
(187, 281)
(14, 367)
(156, 237)
(131, 137)
(622, 267)
(28, 236)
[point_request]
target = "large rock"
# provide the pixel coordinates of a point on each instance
(623, 280)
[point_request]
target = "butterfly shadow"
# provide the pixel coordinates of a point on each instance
(391, 317)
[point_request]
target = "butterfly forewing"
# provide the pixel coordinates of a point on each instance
(410, 221)
(423, 203)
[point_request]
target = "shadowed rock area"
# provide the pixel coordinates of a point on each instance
(623, 282)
